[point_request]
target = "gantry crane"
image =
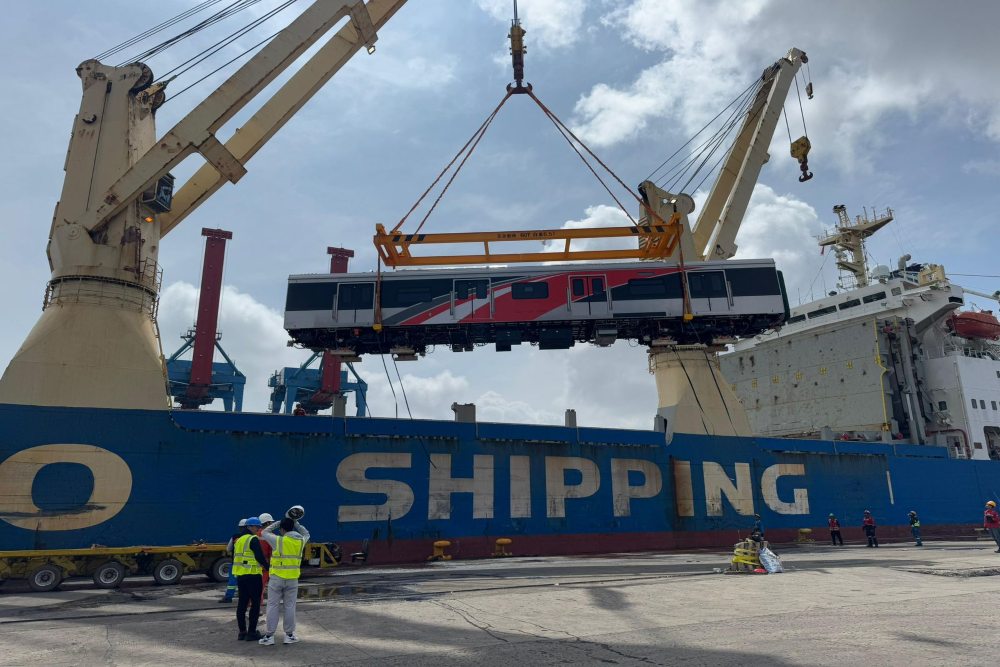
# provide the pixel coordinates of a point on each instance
(96, 343)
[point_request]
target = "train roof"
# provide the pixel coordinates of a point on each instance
(517, 270)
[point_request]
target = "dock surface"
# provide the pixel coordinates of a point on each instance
(896, 605)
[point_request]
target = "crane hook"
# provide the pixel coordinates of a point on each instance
(800, 151)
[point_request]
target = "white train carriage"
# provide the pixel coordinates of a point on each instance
(553, 306)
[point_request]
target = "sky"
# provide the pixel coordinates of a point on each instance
(906, 115)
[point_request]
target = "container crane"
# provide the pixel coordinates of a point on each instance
(96, 343)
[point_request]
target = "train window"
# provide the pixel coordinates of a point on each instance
(822, 311)
(647, 288)
(598, 285)
(578, 287)
(797, 318)
(529, 291)
(358, 296)
(707, 284)
(310, 296)
(477, 289)
(850, 304)
(753, 282)
(871, 298)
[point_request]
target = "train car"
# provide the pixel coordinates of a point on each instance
(553, 306)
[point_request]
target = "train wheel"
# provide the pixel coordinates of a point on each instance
(109, 575)
(220, 569)
(44, 579)
(168, 572)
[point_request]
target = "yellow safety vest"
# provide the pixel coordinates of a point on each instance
(244, 562)
(286, 558)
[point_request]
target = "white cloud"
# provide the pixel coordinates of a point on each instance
(784, 228)
(712, 49)
(551, 24)
(984, 167)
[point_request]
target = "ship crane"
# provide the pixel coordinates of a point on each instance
(96, 343)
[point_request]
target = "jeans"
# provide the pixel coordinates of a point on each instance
(995, 532)
(870, 534)
(835, 537)
(286, 592)
(916, 535)
(230, 587)
(250, 587)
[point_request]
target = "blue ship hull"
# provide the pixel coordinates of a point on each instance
(72, 478)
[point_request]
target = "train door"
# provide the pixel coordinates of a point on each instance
(708, 291)
(588, 295)
(355, 303)
(471, 300)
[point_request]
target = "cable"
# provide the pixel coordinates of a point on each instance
(200, 57)
(974, 275)
(402, 388)
(230, 10)
(393, 389)
(174, 96)
(155, 29)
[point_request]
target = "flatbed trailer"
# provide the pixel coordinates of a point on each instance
(45, 569)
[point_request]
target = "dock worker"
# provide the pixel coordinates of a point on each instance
(265, 520)
(249, 564)
(231, 584)
(835, 530)
(283, 587)
(868, 524)
(991, 522)
(915, 528)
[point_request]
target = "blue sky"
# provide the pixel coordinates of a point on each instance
(906, 115)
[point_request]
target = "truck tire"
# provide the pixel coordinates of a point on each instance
(44, 579)
(220, 569)
(168, 572)
(109, 575)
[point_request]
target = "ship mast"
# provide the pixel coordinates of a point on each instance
(848, 241)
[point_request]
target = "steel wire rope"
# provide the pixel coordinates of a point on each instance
(232, 9)
(743, 104)
(719, 136)
(717, 140)
(566, 134)
(713, 169)
(406, 401)
(652, 174)
(391, 388)
(155, 29)
(210, 51)
(485, 124)
(221, 67)
(802, 112)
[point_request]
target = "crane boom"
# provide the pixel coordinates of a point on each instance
(715, 232)
(298, 90)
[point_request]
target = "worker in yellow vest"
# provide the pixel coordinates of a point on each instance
(249, 564)
(283, 586)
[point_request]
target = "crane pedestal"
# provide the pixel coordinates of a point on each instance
(694, 397)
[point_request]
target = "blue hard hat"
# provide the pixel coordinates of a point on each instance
(253, 521)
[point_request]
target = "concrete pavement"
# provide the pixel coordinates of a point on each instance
(897, 605)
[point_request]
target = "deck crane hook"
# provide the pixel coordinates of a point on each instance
(517, 51)
(800, 151)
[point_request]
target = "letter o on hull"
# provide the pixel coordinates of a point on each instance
(112, 487)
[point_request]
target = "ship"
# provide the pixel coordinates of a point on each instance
(93, 450)
(896, 355)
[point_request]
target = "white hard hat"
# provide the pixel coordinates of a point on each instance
(242, 522)
(266, 518)
(296, 512)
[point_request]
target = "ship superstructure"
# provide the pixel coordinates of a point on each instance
(890, 357)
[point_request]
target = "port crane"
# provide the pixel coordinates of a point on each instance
(96, 343)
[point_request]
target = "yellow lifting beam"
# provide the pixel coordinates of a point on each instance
(659, 242)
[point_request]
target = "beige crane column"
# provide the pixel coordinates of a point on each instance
(95, 344)
(694, 397)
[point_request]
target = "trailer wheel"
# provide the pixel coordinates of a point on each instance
(220, 569)
(44, 579)
(168, 572)
(109, 575)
